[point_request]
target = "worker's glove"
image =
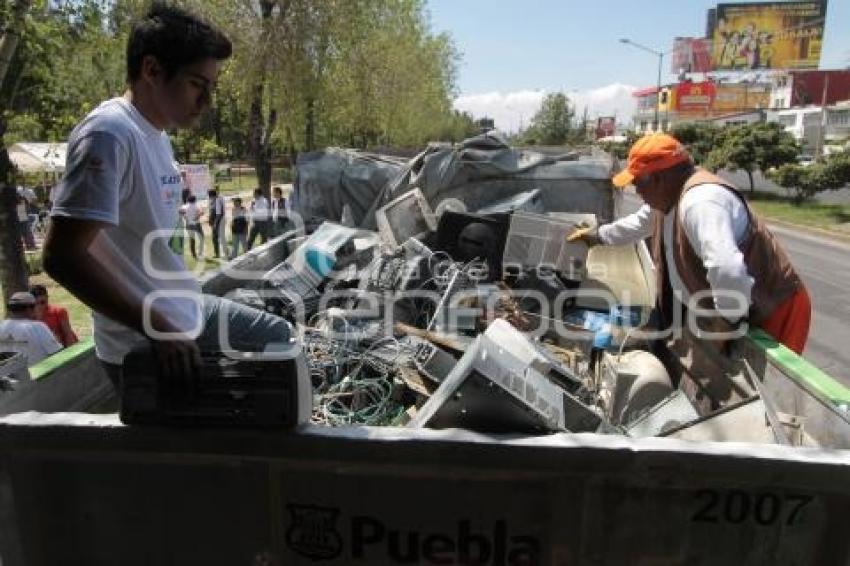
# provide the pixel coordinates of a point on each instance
(587, 234)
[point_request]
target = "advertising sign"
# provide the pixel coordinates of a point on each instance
(606, 126)
(197, 178)
(740, 97)
(695, 97)
(767, 35)
(690, 55)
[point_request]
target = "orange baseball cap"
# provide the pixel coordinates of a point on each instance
(651, 153)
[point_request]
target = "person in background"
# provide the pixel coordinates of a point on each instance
(24, 226)
(186, 192)
(54, 316)
(192, 213)
(278, 211)
(706, 239)
(216, 221)
(238, 228)
(260, 219)
(20, 332)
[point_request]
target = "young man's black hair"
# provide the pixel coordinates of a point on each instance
(176, 38)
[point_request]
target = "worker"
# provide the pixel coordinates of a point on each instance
(706, 240)
(117, 206)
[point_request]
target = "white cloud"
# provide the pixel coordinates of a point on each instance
(513, 110)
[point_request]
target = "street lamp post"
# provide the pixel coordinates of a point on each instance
(660, 55)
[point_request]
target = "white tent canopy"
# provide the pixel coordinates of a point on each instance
(39, 157)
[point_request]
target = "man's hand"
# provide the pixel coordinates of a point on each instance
(586, 234)
(179, 361)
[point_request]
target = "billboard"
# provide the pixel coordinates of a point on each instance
(606, 126)
(690, 55)
(740, 97)
(197, 178)
(767, 35)
(695, 98)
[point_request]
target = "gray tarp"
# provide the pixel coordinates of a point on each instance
(478, 171)
(327, 180)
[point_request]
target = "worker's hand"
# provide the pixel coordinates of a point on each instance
(179, 361)
(586, 234)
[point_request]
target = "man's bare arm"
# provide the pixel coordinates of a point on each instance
(67, 259)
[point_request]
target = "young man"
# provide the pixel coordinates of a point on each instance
(260, 219)
(116, 208)
(55, 317)
(278, 211)
(192, 213)
(706, 239)
(216, 221)
(21, 333)
(238, 228)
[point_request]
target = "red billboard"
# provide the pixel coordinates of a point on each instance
(695, 97)
(690, 55)
(606, 126)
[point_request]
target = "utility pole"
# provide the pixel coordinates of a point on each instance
(660, 55)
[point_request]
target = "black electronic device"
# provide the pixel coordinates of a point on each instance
(466, 237)
(250, 392)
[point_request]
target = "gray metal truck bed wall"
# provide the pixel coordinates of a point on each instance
(95, 493)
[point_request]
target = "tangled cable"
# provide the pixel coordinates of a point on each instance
(351, 385)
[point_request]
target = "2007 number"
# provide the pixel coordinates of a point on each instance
(737, 506)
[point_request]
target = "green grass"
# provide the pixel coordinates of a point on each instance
(835, 217)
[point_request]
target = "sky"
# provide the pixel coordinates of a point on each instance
(516, 51)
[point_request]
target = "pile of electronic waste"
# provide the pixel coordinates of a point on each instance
(465, 320)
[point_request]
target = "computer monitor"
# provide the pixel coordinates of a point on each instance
(408, 216)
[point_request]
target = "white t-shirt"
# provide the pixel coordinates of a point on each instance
(21, 211)
(192, 212)
(120, 171)
(260, 209)
(30, 337)
(715, 222)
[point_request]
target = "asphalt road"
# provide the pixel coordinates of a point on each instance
(824, 265)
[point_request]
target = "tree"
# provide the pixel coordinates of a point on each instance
(698, 137)
(804, 182)
(752, 147)
(13, 271)
(553, 123)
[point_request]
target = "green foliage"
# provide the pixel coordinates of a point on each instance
(698, 137)
(553, 123)
(66, 63)
(22, 128)
(752, 147)
(761, 146)
(804, 182)
(336, 72)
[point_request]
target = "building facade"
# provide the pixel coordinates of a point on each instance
(792, 89)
